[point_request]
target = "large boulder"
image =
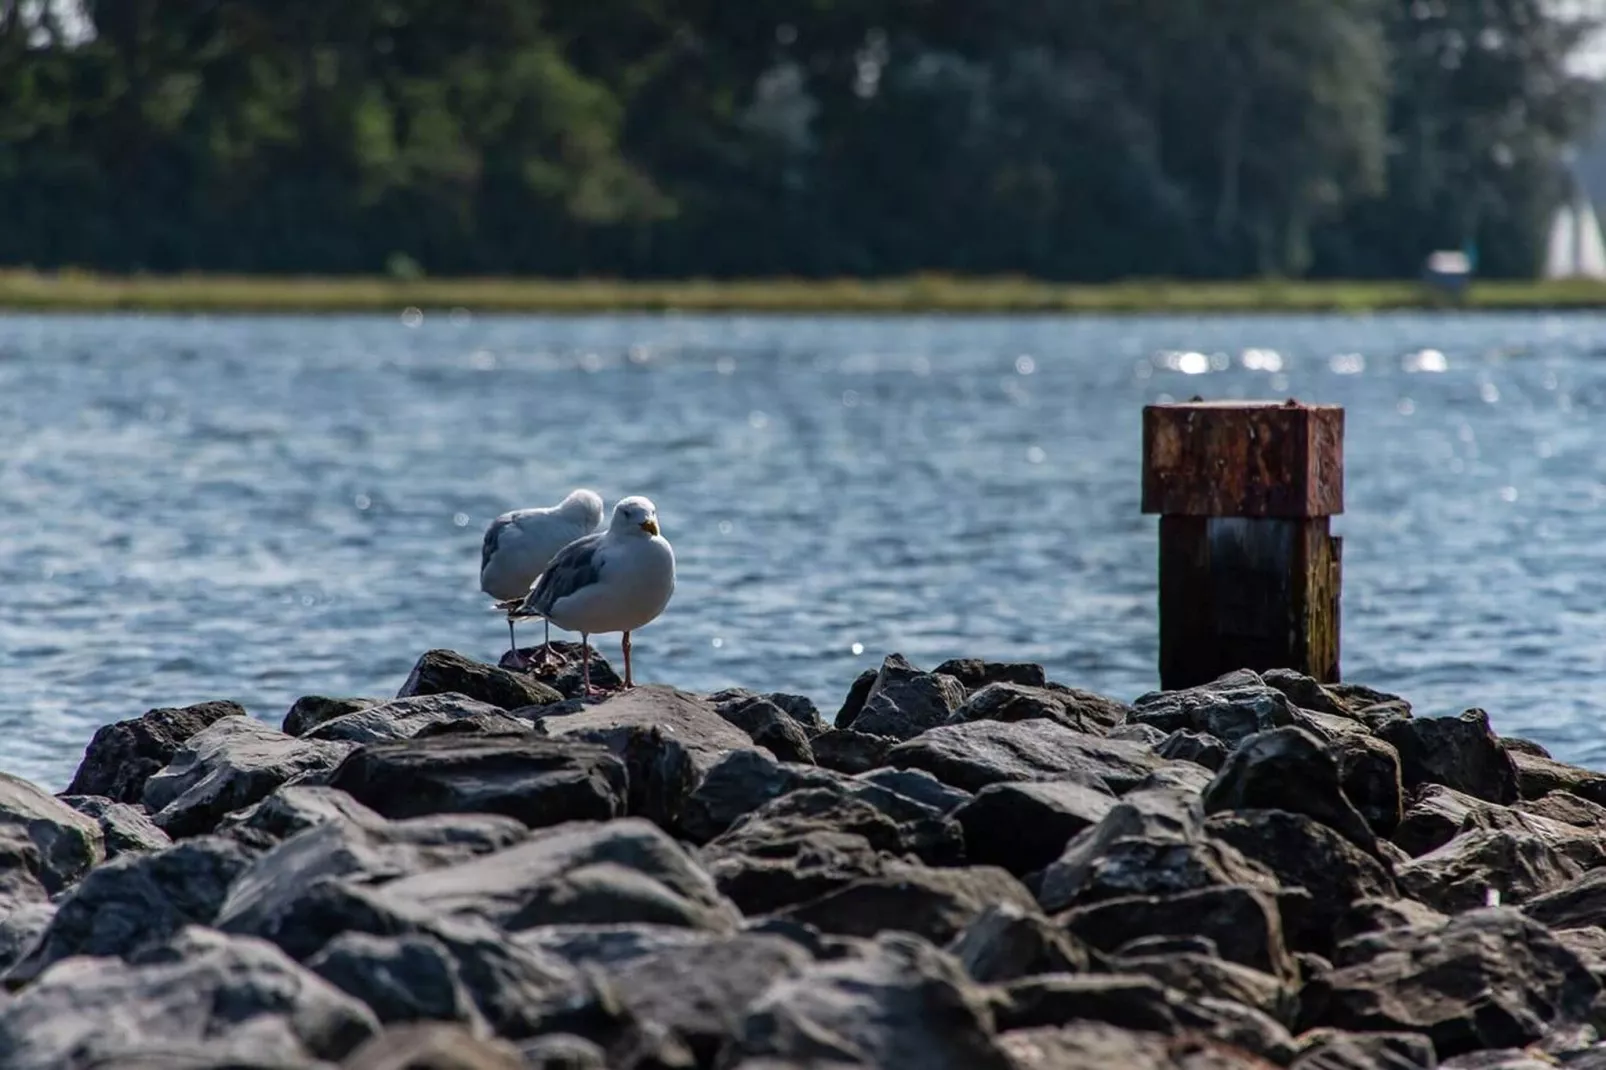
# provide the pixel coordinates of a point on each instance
(404, 718)
(920, 786)
(904, 702)
(1581, 903)
(889, 821)
(68, 841)
(138, 900)
(1486, 867)
(903, 1003)
(1287, 769)
(976, 673)
(625, 870)
(539, 781)
(199, 999)
(767, 724)
(127, 829)
(1242, 922)
(1458, 752)
(227, 766)
(25, 906)
(799, 708)
(934, 903)
(1369, 773)
(978, 753)
(440, 672)
(291, 809)
(1434, 816)
(123, 755)
(310, 711)
(1485, 979)
(1538, 775)
(1088, 1045)
(668, 740)
(1006, 942)
(1076, 709)
(1202, 974)
(738, 784)
(1232, 708)
(847, 751)
(1026, 826)
(1334, 1049)
(766, 865)
(407, 978)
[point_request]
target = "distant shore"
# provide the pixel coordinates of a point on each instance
(30, 291)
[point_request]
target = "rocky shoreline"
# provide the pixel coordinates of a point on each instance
(971, 867)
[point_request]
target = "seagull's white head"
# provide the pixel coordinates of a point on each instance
(635, 516)
(585, 506)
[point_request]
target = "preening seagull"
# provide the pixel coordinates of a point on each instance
(613, 581)
(520, 544)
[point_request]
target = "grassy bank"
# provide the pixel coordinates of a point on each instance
(78, 292)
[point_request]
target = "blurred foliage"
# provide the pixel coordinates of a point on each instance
(1064, 139)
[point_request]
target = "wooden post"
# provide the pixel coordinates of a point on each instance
(1249, 574)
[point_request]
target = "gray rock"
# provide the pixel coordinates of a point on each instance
(291, 809)
(847, 751)
(934, 903)
(667, 739)
(764, 865)
(558, 1051)
(1301, 853)
(581, 872)
(483, 723)
(127, 829)
(200, 998)
(1186, 778)
(1006, 942)
(1185, 745)
(1369, 773)
(1082, 711)
(68, 841)
(25, 907)
(978, 753)
(1435, 814)
(1457, 752)
(401, 979)
(1332, 1049)
(440, 672)
(856, 696)
(903, 703)
(1583, 902)
(1206, 976)
(611, 947)
(401, 718)
(310, 711)
(903, 1003)
(1150, 843)
(919, 785)
(538, 781)
(1137, 732)
(227, 766)
(1088, 1045)
(1026, 826)
(1538, 775)
(1243, 922)
(439, 1046)
(799, 708)
(1568, 809)
(123, 755)
(738, 784)
(1286, 769)
(767, 725)
(1232, 709)
(1485, 979)
(1365, 917)
(976, 673)
(1461, 874)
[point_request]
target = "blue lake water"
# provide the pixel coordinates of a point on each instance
(260, 508)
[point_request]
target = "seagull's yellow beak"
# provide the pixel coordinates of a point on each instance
(650, 526)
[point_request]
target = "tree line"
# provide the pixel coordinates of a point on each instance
(1066, 139)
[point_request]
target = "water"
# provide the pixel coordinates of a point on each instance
(260, 508)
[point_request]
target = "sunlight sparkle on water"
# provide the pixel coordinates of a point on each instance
(1426, 360)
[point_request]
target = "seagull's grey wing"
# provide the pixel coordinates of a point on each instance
(493, 535)
(574, 567)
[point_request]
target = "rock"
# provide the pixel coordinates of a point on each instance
(767, 725)
(1150, 843)
(1024, 827)
(440, 672)
(934, 903)
(1305, 692)
(903, 705)
(1485, 979)
(850, 752)
(561, 1051)
(1099, 1046)
(292, 809)
(978, 753)
(123, 755)
(1367, 916)
(738, 784)
(126, 829)
(580, 872)
(1137, 732)
(1568, 809)
(888, 821)
(667, 739)
(799, 708)
(1185, 778)
(310, 711)
(401, 979)
(1286, 769)
(1232, 708)
(1302, 853)
(610, 947)
(1538, 776)
(1517, 745)
(227, 766)
(1330, 1049)
(919, 785)
(1243, 922)
(854, 702)
(199, 999)
(1006, 942)
(1184, 745)
(136, 900)
(1583, 902)
(1369, 774)
(1459, 876)
(25, 907)
(498, 723)
(1457, 752)
(903, 1003)
(538, 781)
(437, 1046)
(1434, 815)
(1082, 711)
(69, 842)
(1203, 975)
(766, 865)
(974, 673)
(403, 718)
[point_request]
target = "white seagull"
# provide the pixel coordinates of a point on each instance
(614, 581)
(520, 544)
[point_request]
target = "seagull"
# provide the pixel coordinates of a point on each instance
(612, 581)
(519, 545)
